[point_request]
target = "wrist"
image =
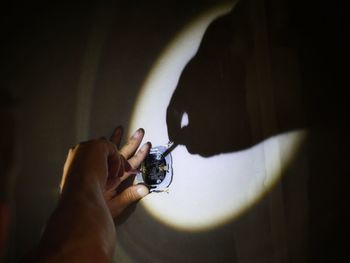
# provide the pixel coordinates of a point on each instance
(81, 229)
(73, 252)
(69, 238)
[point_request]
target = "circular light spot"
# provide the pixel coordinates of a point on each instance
(205, 192)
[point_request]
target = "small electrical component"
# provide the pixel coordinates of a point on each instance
(156, 170)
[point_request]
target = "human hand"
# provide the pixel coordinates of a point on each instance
(120, 166)
(116, 201)
(81, 227)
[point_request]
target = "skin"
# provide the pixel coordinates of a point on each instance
(82, 229)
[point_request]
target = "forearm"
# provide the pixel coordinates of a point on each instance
(79, 230)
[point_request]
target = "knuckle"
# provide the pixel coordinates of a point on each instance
(130, 196)
(137, 159)
(140, 156)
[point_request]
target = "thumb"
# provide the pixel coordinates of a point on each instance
(127, 197)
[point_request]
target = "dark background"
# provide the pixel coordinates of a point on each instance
(44, 49)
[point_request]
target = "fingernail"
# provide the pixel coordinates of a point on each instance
(146, 146)
(138, 133)
(142, 191)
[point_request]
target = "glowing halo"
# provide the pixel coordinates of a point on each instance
(206, 192)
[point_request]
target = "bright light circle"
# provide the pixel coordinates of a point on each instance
(205, 192)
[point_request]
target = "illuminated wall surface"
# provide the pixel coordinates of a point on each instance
(228, 83)
(212, 186)
(206, 191)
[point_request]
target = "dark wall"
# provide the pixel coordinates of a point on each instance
(320, 31)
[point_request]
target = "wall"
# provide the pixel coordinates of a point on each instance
(75, 72)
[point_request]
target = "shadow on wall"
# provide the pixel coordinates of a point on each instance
(212, 90)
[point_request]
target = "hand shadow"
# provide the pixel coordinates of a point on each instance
(212, 90)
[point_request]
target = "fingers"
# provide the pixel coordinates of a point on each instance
(137, 159)
(129, 150)
(118, 166)
(126, 198)
(100, 159)
(117, 136)
(133, 143)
